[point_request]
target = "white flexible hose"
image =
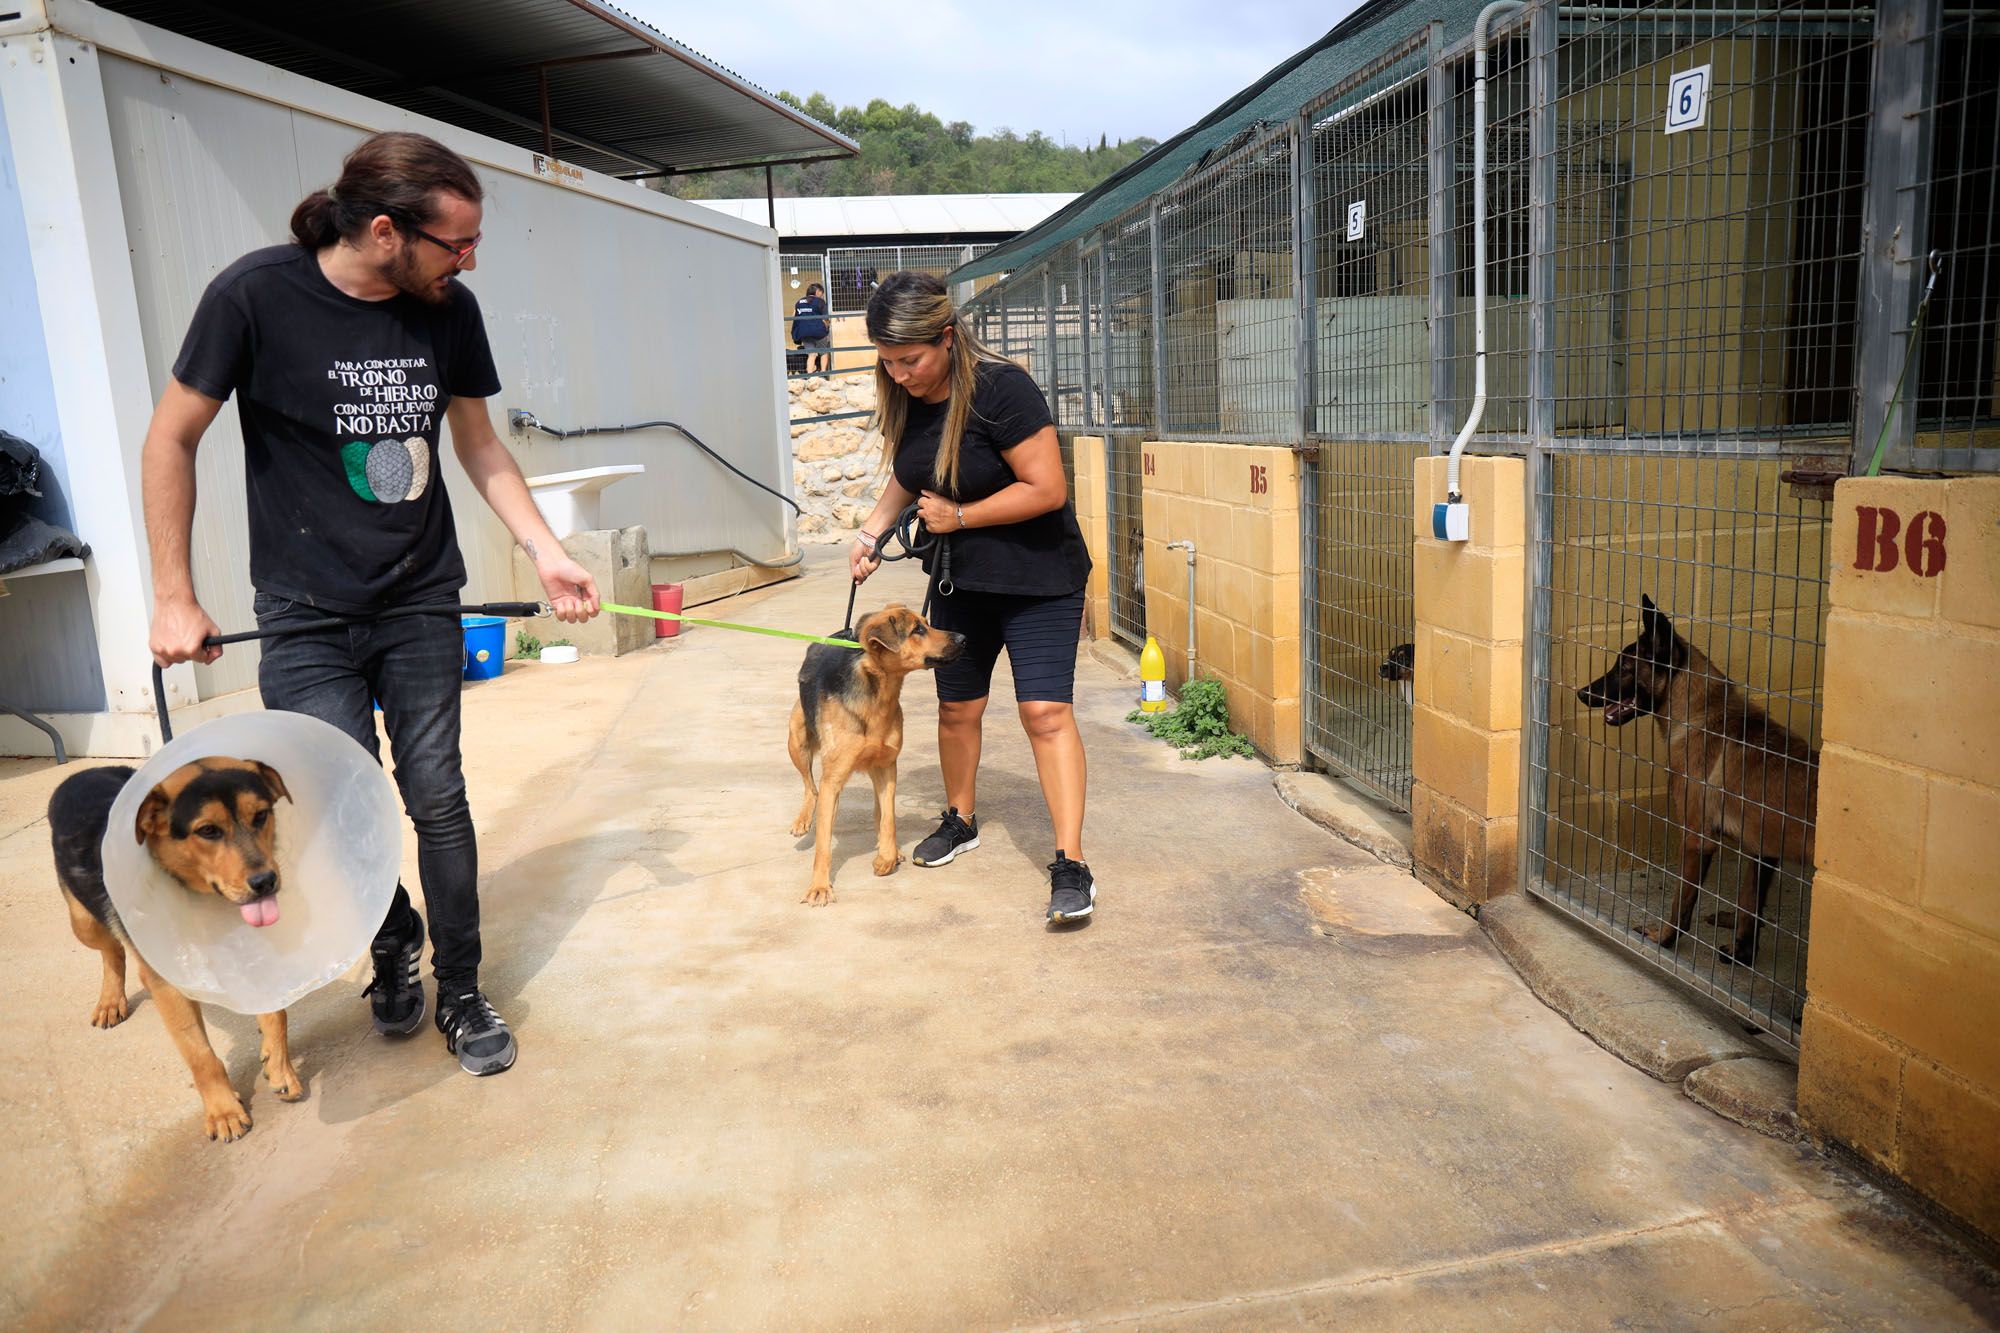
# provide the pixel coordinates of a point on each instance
(1465, 432)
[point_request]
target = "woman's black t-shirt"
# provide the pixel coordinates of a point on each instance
(1043, 556)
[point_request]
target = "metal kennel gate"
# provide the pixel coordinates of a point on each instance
(1690, 240)
(1123, 352)
(1737, 561)
(1368, 247)
(1125, 553)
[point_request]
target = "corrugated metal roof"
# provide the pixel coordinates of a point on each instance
(899, 214)
(1370, 32)
(623, 98)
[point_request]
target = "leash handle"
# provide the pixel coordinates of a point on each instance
(909, 532)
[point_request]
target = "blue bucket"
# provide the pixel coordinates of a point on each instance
(485, 646)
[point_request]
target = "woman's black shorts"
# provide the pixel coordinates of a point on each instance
(1039, 633)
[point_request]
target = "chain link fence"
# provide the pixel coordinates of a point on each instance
(1128, 321)
(1701, 270)
(1125, 553)
(1367, 257)
(1955, 405)
(1229, 323)
(849, 274)
(1068, 347)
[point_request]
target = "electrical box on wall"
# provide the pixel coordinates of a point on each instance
(1451, 522)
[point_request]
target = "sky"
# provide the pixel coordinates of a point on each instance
(1073, 69)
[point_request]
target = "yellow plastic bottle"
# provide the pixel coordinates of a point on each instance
(1152, 678)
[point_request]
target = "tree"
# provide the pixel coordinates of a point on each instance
(907, 150)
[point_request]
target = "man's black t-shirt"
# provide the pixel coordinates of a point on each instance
(1043, 556)
(341, 401)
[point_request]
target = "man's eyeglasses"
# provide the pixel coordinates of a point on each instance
(461, 253)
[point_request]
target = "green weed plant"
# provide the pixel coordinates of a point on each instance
(1199, 727)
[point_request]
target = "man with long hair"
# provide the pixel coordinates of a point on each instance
(347, 350)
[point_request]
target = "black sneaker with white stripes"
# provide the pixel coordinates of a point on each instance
(1072, 890)
(396, 995)
(475, 1033)
(954, 835)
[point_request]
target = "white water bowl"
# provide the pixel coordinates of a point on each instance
(560, 653)
(571, 501)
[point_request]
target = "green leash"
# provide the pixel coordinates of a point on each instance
(616, 609)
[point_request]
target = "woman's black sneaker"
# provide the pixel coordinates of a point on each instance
(396, 995)
(475, 1033)
(1072, 891)
(954, 835)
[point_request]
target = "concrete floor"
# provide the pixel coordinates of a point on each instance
(1273, 1082)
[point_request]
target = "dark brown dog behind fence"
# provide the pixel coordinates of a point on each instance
(1733, 774)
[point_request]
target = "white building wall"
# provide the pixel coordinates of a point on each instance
(605, 303)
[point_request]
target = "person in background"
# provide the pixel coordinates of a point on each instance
(810, 329)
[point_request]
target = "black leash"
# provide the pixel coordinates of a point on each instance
(914, 540)
(513, 609)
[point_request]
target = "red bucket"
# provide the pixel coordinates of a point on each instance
(666, 597)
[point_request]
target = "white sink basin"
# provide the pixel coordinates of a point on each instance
(570, 500)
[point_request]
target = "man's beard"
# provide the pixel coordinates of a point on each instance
(402, 272)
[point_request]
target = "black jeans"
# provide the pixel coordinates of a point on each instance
(414, 666)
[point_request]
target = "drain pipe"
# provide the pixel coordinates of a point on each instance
(1188, 546)
(1449, 521)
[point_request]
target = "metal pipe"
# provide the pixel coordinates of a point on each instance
(790, 558)
(548, 130)
(1479, 31)
(1188, 546)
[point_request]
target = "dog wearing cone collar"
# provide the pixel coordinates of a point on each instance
(212, 826)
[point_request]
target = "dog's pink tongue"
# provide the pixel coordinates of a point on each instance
(260, 911)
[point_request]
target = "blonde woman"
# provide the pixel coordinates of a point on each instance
(969, 441)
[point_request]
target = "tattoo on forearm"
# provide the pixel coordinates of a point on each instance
(529, 547)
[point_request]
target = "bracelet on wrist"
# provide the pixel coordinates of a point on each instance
(869, 537)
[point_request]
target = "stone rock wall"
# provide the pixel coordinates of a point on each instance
(836, 467)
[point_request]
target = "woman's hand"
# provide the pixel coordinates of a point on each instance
(939, 514)
(862, 559)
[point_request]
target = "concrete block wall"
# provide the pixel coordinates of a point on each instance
(1900, 1055)
(1240, 505)
(1465, 747)
(617, 559)
(1093, 515)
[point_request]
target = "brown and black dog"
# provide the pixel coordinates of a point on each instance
(1401, 666)
(1733, 774)
(212, 827)
(850, 716)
